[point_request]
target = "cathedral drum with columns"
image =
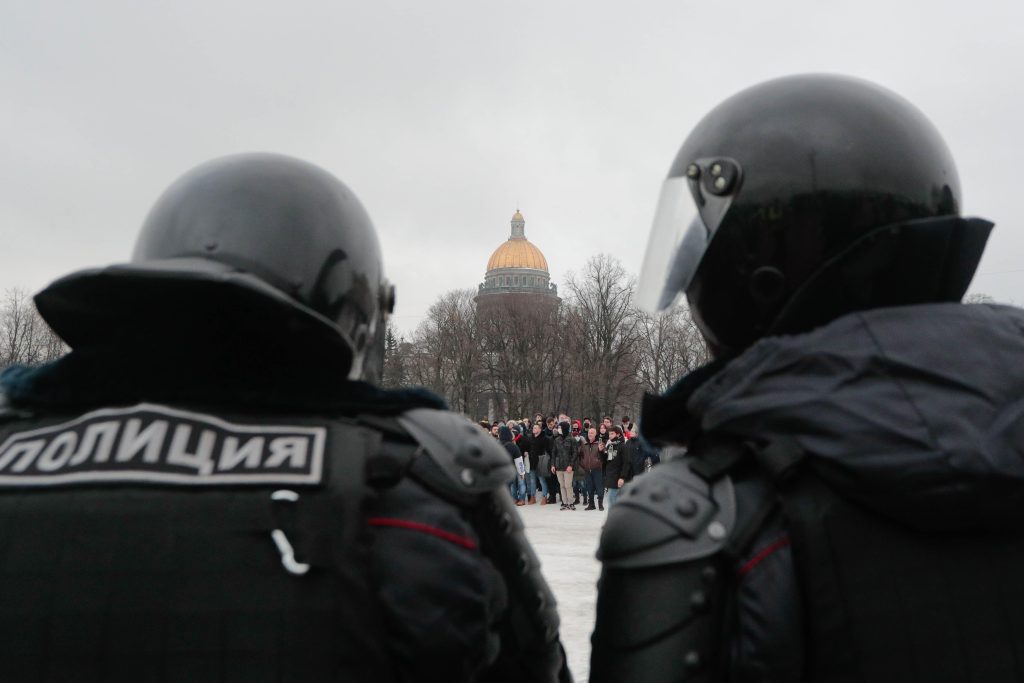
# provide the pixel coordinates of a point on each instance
(517, 275)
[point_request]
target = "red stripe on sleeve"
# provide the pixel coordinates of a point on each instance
(462, 541)
(761, 555)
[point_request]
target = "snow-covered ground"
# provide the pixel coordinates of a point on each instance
(566, 543)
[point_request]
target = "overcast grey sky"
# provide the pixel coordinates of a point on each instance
(444, 116)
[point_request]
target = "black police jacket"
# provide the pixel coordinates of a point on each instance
(849, 510)
(183, 521)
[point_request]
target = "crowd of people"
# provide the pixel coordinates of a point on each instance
(569, 461)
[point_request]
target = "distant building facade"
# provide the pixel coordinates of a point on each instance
(515, 299)
(517, 275)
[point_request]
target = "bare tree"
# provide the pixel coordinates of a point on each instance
(395, 373)
(424, 364)
(520, 353)
(669, 346)
(602, 295)
(594, 354)
(25, 339)
(51, 347)
(444, 353)
(454, 315)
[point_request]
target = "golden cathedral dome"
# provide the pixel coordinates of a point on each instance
(516, 272)
(517, 252)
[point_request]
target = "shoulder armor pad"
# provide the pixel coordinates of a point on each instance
(666, 516)
(471, 460)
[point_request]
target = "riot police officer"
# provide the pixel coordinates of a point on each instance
(209, 487)
(848, 505)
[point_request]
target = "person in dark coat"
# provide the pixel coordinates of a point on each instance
(640, 458)
(564, 461)
(591, 459)
(579, 485)
(844, 498)
(517, 486)
(210, 487)
(550, 431)
(524, 440)
(540, 464)
(615, 455)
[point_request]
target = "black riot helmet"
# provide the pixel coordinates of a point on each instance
(804, 198)
(248, 249)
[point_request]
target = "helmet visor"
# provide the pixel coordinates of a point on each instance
(677, 243)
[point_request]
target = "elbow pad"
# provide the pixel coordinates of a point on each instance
(661, 596)
(462, 461)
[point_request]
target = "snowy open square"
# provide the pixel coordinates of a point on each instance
(566, 542)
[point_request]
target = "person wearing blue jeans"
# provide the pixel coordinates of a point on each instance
(540, 463)
(590, 458)
(615, 455)
(517, 487)
(579, 488)
(543, 481)
(532, 483)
